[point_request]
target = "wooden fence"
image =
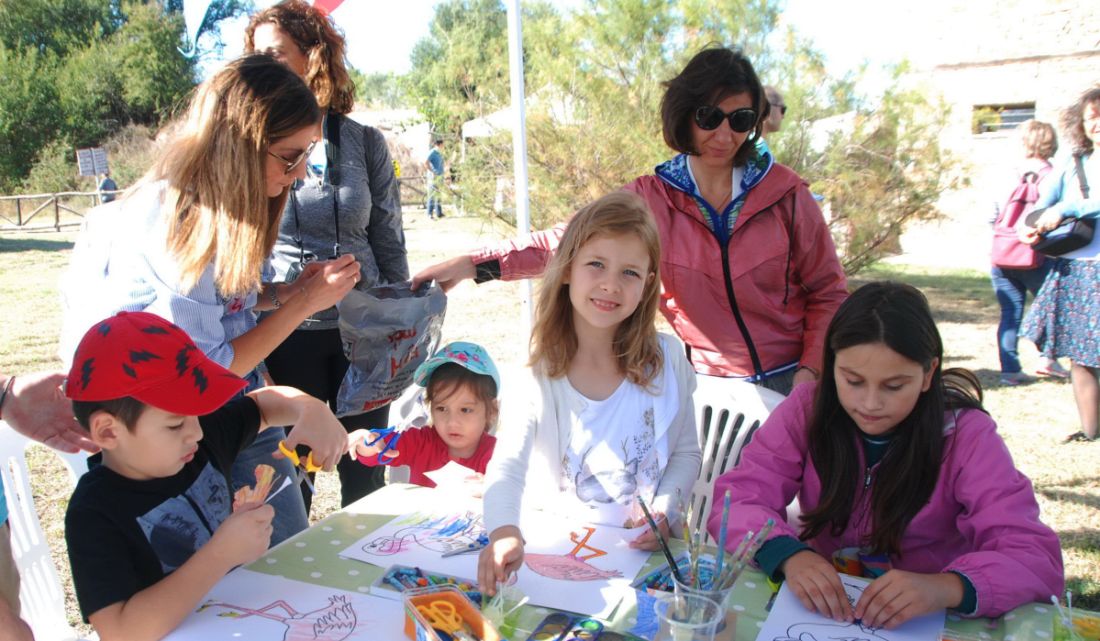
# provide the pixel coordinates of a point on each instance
(37, 212)
(40, 212)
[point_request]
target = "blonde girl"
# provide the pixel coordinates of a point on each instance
(189, 242)
(605, 415)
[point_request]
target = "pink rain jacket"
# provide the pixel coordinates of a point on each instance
(783, 272)
(981, 521)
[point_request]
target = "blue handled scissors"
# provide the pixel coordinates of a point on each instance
(443, 615)
(383, 433)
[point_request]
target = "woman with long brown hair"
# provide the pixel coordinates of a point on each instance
(190, 240)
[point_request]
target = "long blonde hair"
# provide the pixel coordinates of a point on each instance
(324, 47)
(554, 337)
(216, 203)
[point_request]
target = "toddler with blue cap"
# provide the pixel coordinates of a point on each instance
(461, 388)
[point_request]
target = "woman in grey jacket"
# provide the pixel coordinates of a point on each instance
(347, 204)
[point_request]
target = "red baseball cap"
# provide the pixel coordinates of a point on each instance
(143, 356)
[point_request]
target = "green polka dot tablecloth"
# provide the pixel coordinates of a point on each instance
(313, 557)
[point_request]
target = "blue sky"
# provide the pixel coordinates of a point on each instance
(381, 35)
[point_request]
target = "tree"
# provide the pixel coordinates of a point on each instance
(460, 71)
(76, 71)
(155, 75)
(29, 113)
(593, 91)
(377, 89)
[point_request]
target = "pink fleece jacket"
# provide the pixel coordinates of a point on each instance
(782, 263)
(981, 521)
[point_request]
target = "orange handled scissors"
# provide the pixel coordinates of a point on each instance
(308, 466)
(443, 615)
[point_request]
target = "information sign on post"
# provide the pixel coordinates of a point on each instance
(92, 162)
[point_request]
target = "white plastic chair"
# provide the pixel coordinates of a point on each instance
(41, 598)
(727, 414)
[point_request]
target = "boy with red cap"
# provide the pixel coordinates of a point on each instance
(151, 528)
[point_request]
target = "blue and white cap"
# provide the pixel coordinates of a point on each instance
(469, 355)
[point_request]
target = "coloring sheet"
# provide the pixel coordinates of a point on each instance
(790, 621)
(420, 540)
(248, 606)
(575, 566)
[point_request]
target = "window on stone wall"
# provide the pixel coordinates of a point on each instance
(993, 118)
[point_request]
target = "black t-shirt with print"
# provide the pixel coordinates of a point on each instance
(125, 535)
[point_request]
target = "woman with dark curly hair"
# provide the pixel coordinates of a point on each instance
(347, 204)
(1064, 316)
(749, 271)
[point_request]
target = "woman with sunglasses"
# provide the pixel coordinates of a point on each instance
(749, 270)
(347, 204)
(189, 242)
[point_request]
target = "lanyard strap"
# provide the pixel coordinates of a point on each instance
(331, 145)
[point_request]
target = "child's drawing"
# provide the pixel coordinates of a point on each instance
(572, 566)
(790, 621)
(853, 631)
(433, 533)
(334, 622)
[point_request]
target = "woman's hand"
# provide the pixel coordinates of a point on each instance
(500, 559)
(448, 273)
(897, 596)
(646, 540)
(817, 585)
(323, 286)
(1050, 219)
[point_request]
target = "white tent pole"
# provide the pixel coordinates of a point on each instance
(519, 141)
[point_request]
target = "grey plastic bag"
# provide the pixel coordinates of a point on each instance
(387, 332)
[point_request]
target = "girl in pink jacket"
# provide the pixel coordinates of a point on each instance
(895, 464)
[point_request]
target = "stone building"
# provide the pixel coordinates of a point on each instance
(996, 64)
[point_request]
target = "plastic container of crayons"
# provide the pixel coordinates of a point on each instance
(397, 579)
(660, 579)
(444, 613)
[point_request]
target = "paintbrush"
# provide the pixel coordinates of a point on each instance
(685, 519)
(750, 550)
(721, 540)
(661, 541)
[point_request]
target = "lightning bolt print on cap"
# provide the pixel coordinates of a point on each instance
(143, 356)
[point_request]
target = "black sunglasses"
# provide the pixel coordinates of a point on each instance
(782, 109)
(708, 117)
(292, 164)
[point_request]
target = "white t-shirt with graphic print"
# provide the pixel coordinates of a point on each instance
(611, 458)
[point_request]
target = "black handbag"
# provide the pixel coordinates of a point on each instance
(1072, 233)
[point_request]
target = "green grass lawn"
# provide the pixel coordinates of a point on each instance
(1032, 418)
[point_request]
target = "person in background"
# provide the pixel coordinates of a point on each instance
(1062, 320)
(899, 473)
(776, 110)
(107, 188)
(750, 275)
(1012, 285)
(347, 204)
(34, 406)
(435, 166)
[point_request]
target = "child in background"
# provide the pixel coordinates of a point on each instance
(892, 456)
(606, 410)
(461, 387)
(149, 528)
